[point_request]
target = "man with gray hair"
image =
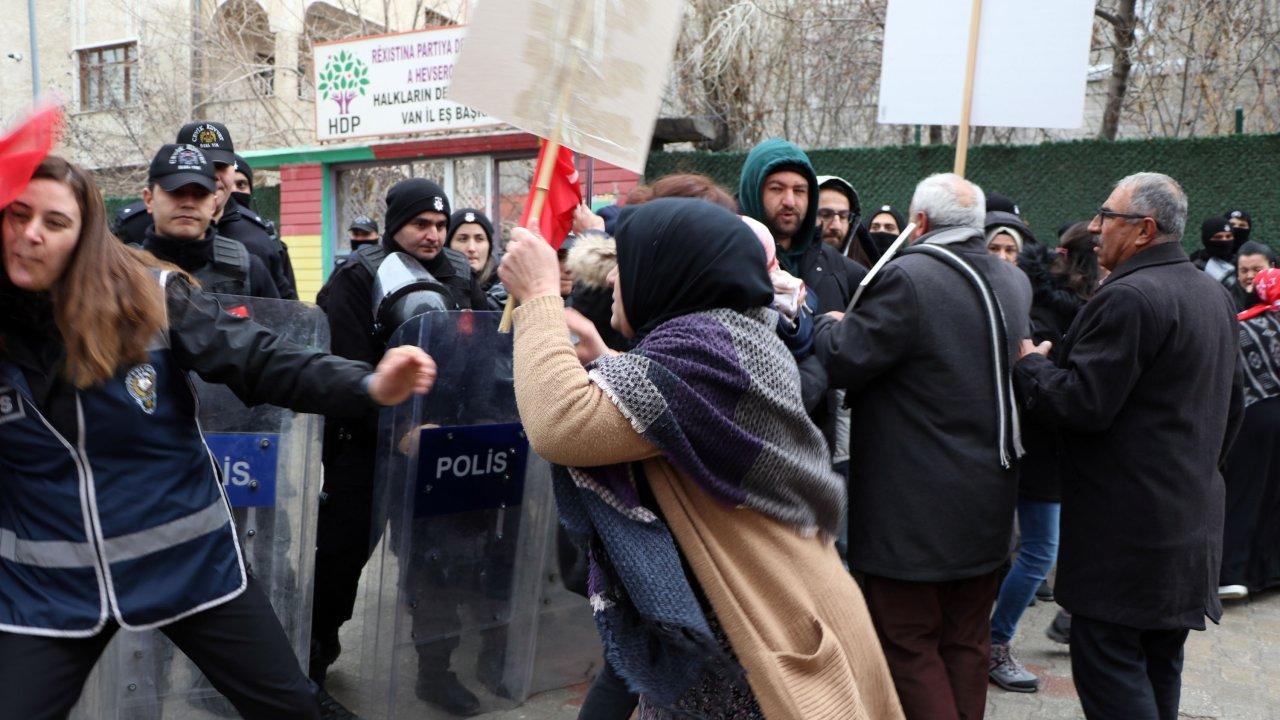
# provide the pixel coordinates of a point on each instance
(1146, 405)
(925, 358)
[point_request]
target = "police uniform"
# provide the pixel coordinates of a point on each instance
(238, 222)
(112, 513)
(359, 331)
(130, 222)
(222, 265)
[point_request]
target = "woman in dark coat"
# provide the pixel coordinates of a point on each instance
(1251, 537)
(1062, 280)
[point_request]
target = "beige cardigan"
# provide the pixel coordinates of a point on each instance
(792, 613)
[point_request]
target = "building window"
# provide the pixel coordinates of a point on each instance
(107, 76)
(264, 75)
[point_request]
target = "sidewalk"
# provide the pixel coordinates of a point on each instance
(1232, 672)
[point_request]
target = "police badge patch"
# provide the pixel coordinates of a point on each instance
(10, 405)
(141, 383)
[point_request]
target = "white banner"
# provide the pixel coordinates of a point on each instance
(1033, 61)
(390, 85)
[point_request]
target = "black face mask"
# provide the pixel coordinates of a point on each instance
(1219, 250)
(244, 198)
(883, 240)
(1241, 235)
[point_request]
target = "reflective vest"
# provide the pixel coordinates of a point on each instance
(125, 520)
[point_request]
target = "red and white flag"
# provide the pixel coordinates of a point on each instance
(563, 195)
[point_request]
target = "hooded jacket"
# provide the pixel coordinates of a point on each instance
(829, 276)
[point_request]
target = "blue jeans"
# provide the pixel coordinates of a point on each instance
(1038, 548)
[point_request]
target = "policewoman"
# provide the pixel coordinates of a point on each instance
(112, 514)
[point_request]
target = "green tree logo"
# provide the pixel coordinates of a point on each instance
(343, 77)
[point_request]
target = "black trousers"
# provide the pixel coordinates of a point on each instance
(343, 546)
(1123, 673)
(238, 645)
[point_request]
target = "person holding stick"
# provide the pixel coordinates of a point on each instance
(925, 358)
(689, 470)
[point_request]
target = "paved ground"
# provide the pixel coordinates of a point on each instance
(1231, 673)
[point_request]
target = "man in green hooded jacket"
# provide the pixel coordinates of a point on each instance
(779, 188)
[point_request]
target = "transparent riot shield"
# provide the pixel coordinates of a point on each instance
(464, 585)
(269, 459)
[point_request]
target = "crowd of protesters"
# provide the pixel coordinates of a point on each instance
(806, 488)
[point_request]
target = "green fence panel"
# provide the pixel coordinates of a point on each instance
(1053, 182)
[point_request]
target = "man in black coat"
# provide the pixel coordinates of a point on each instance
(417, 220)
(933, 480)
(1146, 407)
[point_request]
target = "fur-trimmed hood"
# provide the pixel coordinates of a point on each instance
(592, 258)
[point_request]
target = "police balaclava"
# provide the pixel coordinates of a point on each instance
(406, 200)
(1223, 250)
(245, 199)
(1241, 234)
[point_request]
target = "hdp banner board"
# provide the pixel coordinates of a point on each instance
(1031, 71)
(390, 85)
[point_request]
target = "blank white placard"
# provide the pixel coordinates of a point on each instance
(1033, 59)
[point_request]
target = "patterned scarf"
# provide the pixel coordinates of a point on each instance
(719, 394)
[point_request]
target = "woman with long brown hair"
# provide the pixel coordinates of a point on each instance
(112, 514)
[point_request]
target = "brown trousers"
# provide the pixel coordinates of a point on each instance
(937, 639)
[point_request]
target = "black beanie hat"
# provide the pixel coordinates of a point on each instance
(897, 216)
(1002, 203)
(469, 215)
(410, 198)
(1211, 227)
(242, 165)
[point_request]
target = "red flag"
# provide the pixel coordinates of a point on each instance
(24, 147)
(563, 195)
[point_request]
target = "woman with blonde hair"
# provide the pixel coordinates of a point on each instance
(112, 513)
(694, 479)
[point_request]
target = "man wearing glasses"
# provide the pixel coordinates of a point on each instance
(1146, 407)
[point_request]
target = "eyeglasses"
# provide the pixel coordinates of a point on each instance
(1104, 213)
(826, 214)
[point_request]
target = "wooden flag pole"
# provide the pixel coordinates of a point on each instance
(966, 107)
(550, 154)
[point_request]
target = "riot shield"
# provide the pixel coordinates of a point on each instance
(464, 584)
(269, 459)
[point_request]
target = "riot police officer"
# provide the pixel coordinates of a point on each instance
(233, 220)
(180, 199)
(242, 190)
(413, 271)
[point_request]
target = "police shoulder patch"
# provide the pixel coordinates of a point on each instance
(141, 384)
(11, 407)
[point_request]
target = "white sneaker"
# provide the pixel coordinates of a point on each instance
(1232, 592)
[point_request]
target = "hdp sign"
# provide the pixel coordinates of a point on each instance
(247, 462)
(390, 85)
(470, 468)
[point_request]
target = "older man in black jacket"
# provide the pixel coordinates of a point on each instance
(933, 484)
(1145, 403)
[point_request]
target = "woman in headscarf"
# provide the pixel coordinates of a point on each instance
(1251, 538)
(471, 233)
(689, 470)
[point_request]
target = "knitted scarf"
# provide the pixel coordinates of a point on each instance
(719, 394)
